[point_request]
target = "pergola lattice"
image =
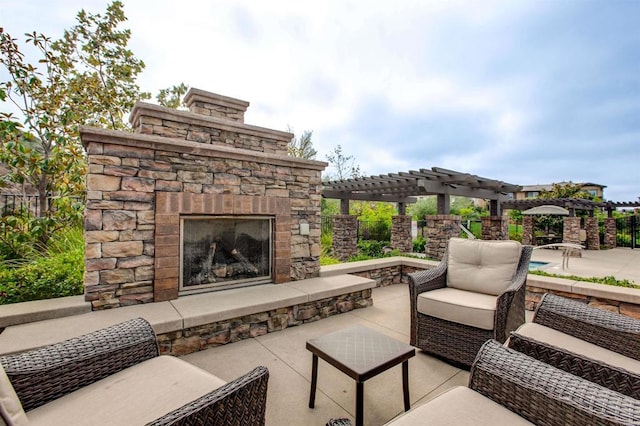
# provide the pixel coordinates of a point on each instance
(403, 187)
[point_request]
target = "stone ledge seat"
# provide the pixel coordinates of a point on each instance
(39, 310)
(185, 312)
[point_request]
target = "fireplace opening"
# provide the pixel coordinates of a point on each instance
(224, 251)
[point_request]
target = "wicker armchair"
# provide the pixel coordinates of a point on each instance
(563, 333)
(456, 338)
(503, 382)
(44, 376)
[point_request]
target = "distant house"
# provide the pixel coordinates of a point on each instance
(532, 191)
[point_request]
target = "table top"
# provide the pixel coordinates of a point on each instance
(360, 352)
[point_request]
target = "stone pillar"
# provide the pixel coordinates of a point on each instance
(214, 105)
(571, 230)
(495, 228)
(401, 233)
(527, 230)
(345, 236)
(439, 229)
(610, 232)
(593, 233)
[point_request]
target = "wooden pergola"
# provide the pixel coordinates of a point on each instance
(403, 188)
(571, 204)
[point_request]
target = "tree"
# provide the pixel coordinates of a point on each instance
(344, 165)
(172, 97)
(86, 77)
(301, 147)
(568, 190)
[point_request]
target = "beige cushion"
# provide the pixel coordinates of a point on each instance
(11, 412)
(482, 266)
(135, 396)
(460, 406)
(558, 339)
(463, 307)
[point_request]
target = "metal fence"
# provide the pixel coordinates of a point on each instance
(11, 204)
(378, 230)
(627, 232)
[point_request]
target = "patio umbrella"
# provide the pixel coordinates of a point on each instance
(547, 209)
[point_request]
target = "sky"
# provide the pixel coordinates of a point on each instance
(527, 92)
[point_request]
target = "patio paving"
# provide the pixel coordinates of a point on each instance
(289, 364)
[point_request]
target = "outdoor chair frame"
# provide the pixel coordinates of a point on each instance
(460, 343)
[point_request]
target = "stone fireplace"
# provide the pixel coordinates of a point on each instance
(196, 201)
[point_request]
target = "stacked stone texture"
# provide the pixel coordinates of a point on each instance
(345, 236)
(127, 172)
(401, 233)
(495, 228)
(439, 229)
(571, 230)
(610, 233)
(593, 233)
(527, 230)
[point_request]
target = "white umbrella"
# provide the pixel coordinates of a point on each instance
(547, 209)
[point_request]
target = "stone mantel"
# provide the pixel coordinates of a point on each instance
(137, 140)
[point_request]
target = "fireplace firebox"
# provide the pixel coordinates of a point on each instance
(224, 252)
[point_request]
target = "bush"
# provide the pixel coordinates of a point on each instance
(56, 273)
(328, 260)
(419, 244)
(372, 248)
(608, 280)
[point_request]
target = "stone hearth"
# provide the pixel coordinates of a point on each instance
(205, 161)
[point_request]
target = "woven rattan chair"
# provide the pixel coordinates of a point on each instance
(600, 346)
(534, 391)
(443, 310)
(44, 376)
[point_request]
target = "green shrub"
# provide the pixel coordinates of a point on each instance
(326, 243)
(328, 260)
(419, 244)
(57, 272)
(372, 248)
(608, 280)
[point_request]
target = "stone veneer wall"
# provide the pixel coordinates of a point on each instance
(401, 233)
(593, 233)
(571, 230)
(345, 236)
(610, 232)
(495, 228)
(438, 231)
(527, 230)
(207, 164)
(228, 331)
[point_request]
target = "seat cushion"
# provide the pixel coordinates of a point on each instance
(463, 307)
(136, 395)
(482, 266)
(460, 406)
(11, 411)
(561, 340)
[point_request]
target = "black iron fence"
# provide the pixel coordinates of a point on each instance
(379, 230)
(11, 204)
(627, 234)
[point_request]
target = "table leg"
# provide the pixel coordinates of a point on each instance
(405, 385)
(359, 403)
(314, 381)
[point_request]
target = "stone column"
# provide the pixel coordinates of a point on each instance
(593, 233)
(495, 228)
(571, 230)
(345, 236)
(439, 229)
(610, 232)
(401, 233)
(527, 230)
(214, 105)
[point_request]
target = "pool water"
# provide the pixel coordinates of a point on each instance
(536, 265)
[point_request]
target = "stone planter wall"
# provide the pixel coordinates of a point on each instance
(220, 333)
(401, 233)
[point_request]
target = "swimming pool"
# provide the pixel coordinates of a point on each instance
(536, 265)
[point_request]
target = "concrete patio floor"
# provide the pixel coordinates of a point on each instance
(289, 364)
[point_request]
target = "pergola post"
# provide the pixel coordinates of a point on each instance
(440, 228)
(593, 233)
(610, 232)
(401, 233)
(495, 228)
(444, 204)
(527, 230)
(571, 230)
(345, 236)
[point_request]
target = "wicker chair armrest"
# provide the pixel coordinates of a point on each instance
(43, 375)
(510, 304)
(240, 402)
(613, 331)
(428, 279)
(544, 394)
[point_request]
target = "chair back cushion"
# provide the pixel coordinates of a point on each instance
(11, 411)
(482, 266)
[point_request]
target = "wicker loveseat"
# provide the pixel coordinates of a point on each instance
(600, 346)
(476, 293)
(509, 388)
(115, 376)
